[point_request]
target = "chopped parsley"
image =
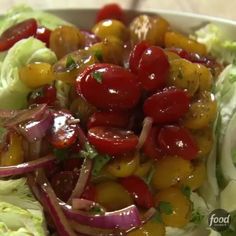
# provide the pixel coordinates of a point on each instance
(99, 162)
(98, 55)
(186, 190)
(165, 207)
(88, 152)
(70, 63)
(197, 217)
(61, 154)
(97, 76)
(95, 210)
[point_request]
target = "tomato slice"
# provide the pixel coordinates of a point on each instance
(176, 140)
(43, 34)
(89, 192)
(150, 147)
(17, 32)
(167, 106)
(110, 11)
(112, 141)
(109, 118)
(62, 134)
(72, 164)
(139, 190)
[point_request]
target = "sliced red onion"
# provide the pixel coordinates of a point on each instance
(34, 130)
(147, 125)
(34, 150)
(34, 112)
(7, 114)
(84, 204)
(124, 219)
(49, 201)
(27, 166)
(149, 214)
(82, 180)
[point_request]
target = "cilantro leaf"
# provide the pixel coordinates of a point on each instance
(61, 154)
(98, 55)
(70, 63)
(186, 190)
(99, 162)
(95, 210)
(97, 76)
(197, 217)
(166, 208)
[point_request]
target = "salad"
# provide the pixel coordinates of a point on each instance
(126, 128)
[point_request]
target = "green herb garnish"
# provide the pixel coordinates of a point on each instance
(95, 210)
(157, 217)
(70, 63)
(61, 154)
(197, 217)
(166, 208)
(186, 190)
(99, 162)
(88, 152)
(98, 55)
(98, 76)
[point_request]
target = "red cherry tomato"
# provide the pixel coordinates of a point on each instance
(176, 140)
(89, 38)
(153, 68)
(109, 118)
(112, 141)
(63, 184)
(150, 147)
(110, 11)
(139, 190)
(109, 87)
(46, 94)
(72, 164)
(43, 34)
(136, 54)
(89, 192)
(167, 106)
(62, 134)
(17, 32)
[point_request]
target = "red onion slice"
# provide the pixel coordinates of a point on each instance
(27, 166)
(84, 204)
(124, 219)
(7, 114)
(35, 130)
(147, 125)
(33, 112)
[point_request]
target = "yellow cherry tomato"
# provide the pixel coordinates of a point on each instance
(149, 28)
(110, 50)
(169, 171)
(178, 40)
(143, 169)
(171, 55)
(36, 74)
(201, 113)
(204, 139)
(150, 228)
(112, 196)
(183, 74)
(197, 177)
(65, 39)
(111, 28)
(13, 154)
(205, 78)
(179, 207)
(123, 166)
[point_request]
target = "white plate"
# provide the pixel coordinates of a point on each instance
(184, 22)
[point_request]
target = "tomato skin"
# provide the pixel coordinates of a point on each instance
(136, 54)
(46, 94)
(17, 32)
(72, 164)
(112, 141)
(110, 11)
(176, 140)
(167, 106)
(43, 34)
(150, 147)
(62, 134)
(118, 86)
(153, 68)
(109, 118)
(139, 190)
(89, 192)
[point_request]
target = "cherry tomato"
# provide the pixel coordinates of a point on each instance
(150, 147)
(136, 54)
(17, 32)
(176, 140)
(109, 87)
(110, 11)
(109, 118)
(89, 192)
(46, 94)
(62, 134)
(112, 141)
(167, 106)
(89, 38)
(63, 184)
(72, 164)
(139, 190)
(153, 68)
(43, 34)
